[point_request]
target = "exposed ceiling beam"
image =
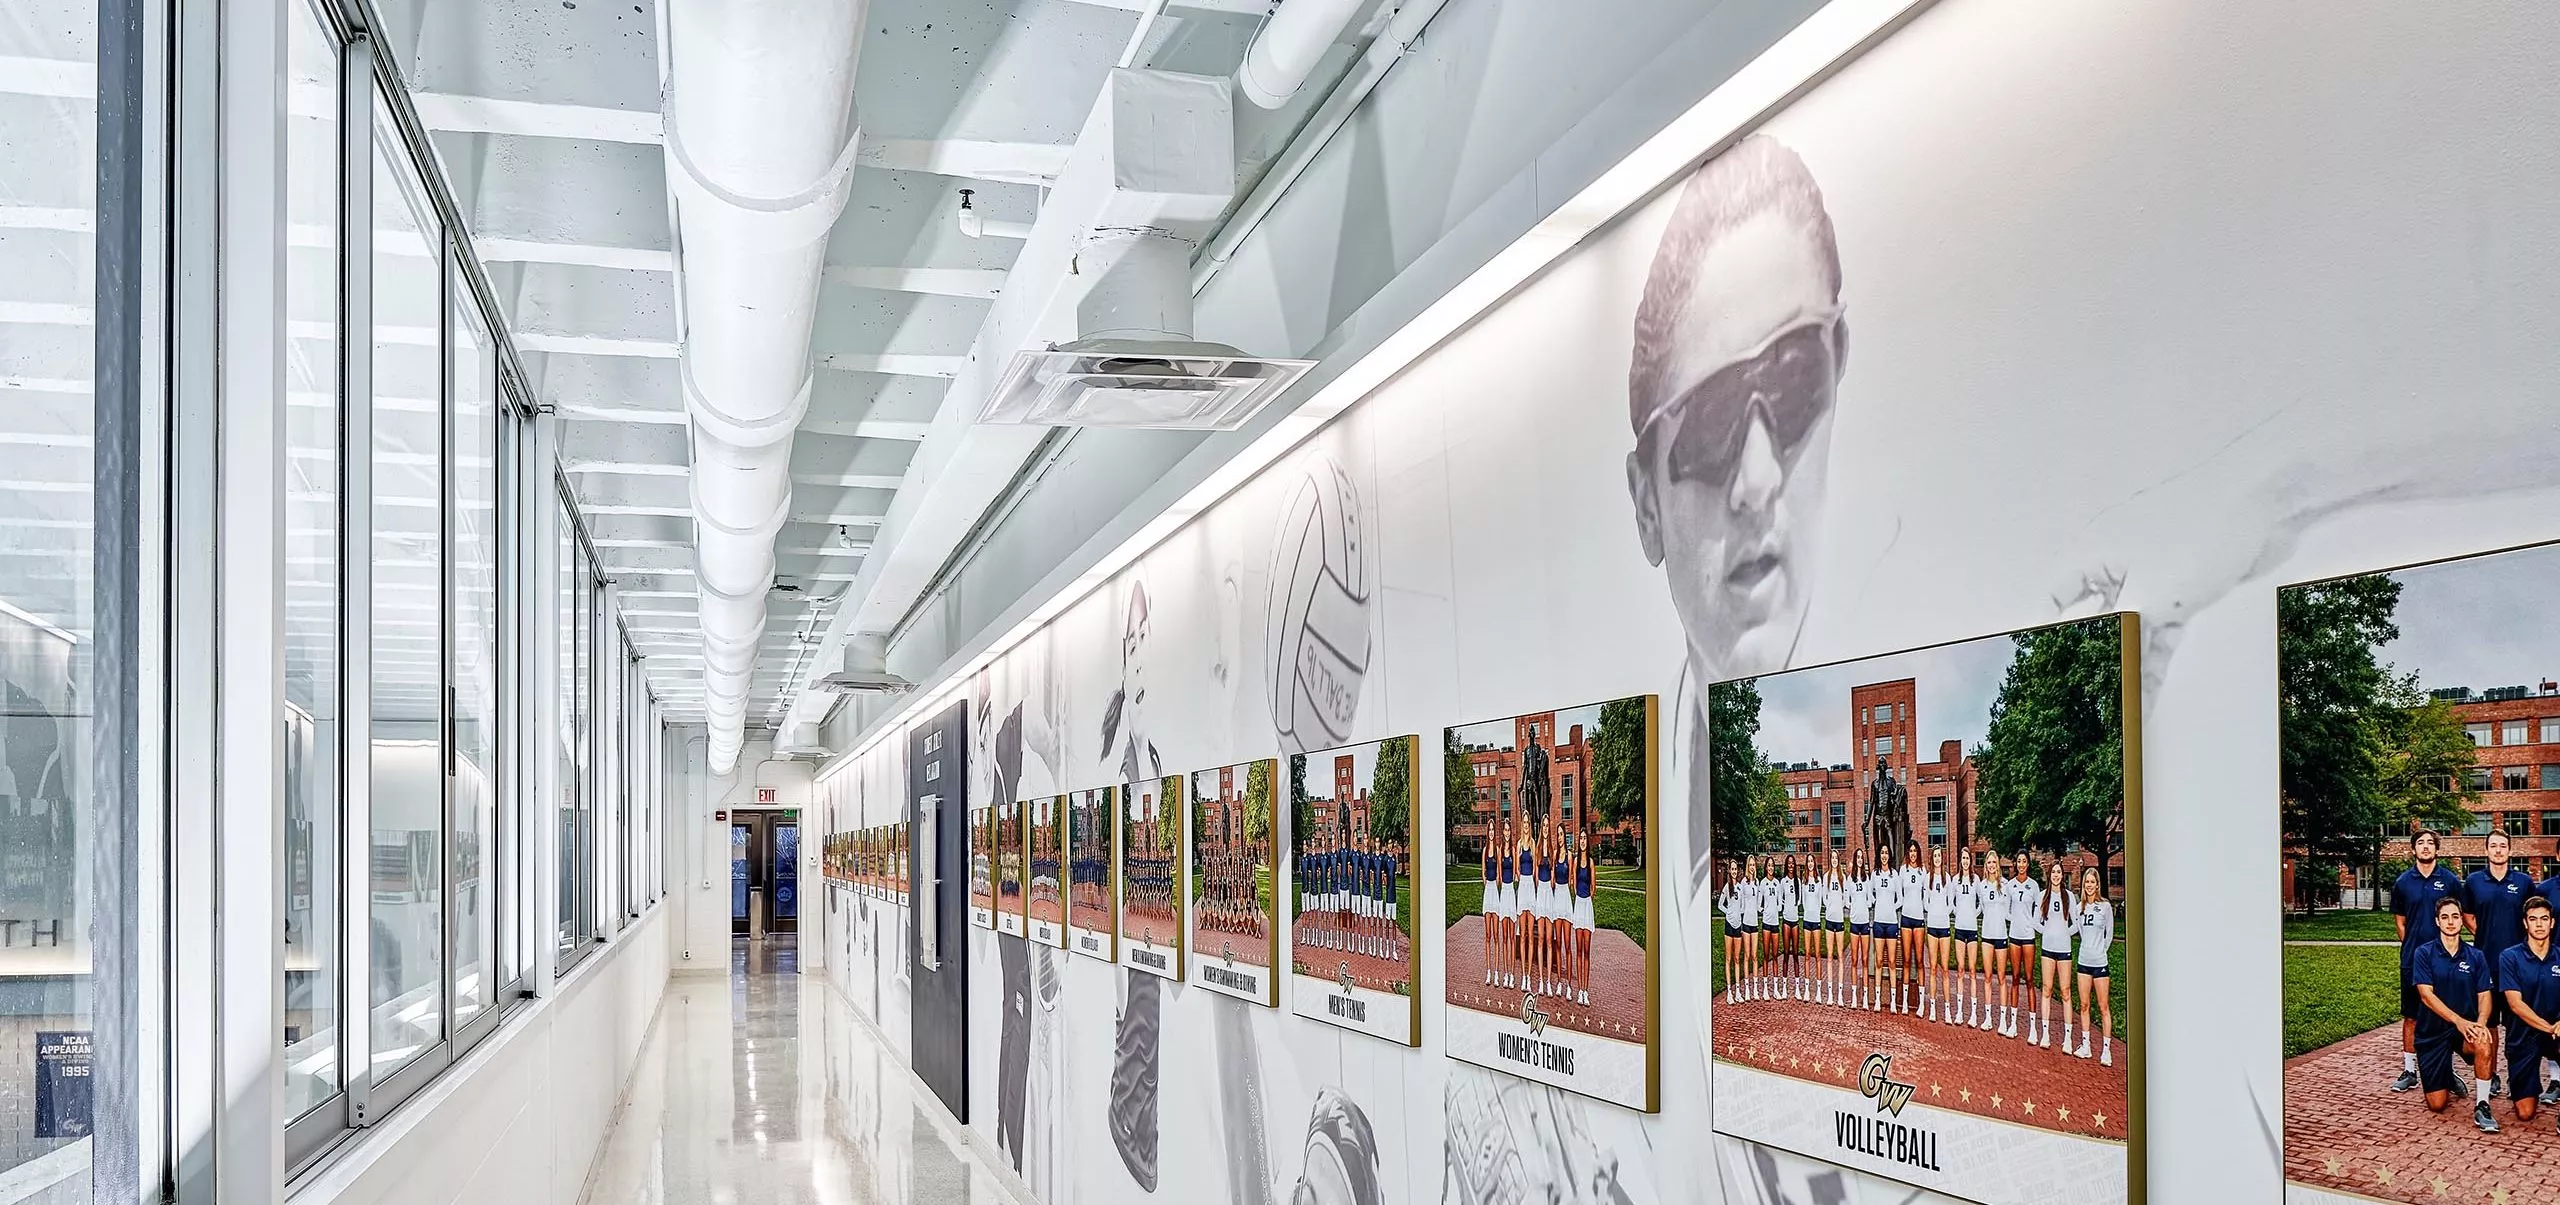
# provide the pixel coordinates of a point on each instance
(944, 282)
(900, 430)
(619, 468)
(686, 512)
(895, 364)
(65, 79)
(972, 158)
(538, 119)
(597, 345)
(582, 255)
(1248, 7)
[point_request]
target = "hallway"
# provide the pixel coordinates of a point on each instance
(768, 1090)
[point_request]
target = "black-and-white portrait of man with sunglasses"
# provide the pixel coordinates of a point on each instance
(1739, 344)
(1740, 341)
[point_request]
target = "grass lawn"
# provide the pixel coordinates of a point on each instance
(1619, 910)
(2336, 992)
(2343, 924)
(2116, 985)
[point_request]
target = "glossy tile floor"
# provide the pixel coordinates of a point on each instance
(767, 1090)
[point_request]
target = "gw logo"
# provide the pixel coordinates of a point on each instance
(1348, 982)
(1531, 1015)
(1875, 1080)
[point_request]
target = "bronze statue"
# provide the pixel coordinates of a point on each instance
(1888, 827)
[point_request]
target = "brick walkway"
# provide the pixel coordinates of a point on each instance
(1151, 925)
(1051, 910)
(1376, 974)
(1966, 1070)
(1617, 984)
(1251, 948)
(2344, 1129)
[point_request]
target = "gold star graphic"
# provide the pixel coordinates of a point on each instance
(2331, 1165)
(2101, 1119)
(2063, 1113)
(1935, 1090)
(2440, 1185)
(1965, 1095)
(2498, 1196)
(2383, 1175)
(1995, 1100)
(2031, 1108)
(1795, 1063)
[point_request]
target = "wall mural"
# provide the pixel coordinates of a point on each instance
(1910, 363)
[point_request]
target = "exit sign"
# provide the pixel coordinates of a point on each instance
(764, 794)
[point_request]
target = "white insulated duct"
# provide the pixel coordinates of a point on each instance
(1290, 45)
(760, 141)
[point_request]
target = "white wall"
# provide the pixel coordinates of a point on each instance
(2157, 304)
(522, 1118)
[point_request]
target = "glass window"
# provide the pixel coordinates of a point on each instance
(2515, 732)
(2515, 778)
(2551, 824)
(2551, 730)
(2477, 777)
(475, 659)
(312, 597)
(48, 170)
(407, 622)
(574, 639)
(2551, 778)
(2518, 823)
(2479, 733)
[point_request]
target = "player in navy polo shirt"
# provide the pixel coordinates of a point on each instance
(2493, 905)
(2453, 982)
(2413, 907)
(2529, 986)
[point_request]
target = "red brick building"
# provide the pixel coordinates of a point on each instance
(1222, 813)
(1329, 832)
(1496, 774)
(1827, 805)
(2515, 737)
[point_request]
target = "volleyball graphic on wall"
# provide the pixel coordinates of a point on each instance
(1319, 614)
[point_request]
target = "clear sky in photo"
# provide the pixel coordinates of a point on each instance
(2482, 622)
(1805, 716)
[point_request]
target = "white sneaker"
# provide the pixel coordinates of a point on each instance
(2083, 1051)
(2107, 1053)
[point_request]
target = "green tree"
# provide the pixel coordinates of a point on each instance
(1302, 808)
(1749, 798)
(1257, 801)
(1618, 768)
(1391, 793)
(1457, 797)
(2364, 752)
(1169, 815)
(2051, 768)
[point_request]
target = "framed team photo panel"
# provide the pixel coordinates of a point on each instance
(1353, 961)
(1233, 909)
(1013, 856)
(1151, 876)
(2420, 792)
(1046, 909)
(1093, 920)
(982, 867)
(1929, 891)
(1551, 889)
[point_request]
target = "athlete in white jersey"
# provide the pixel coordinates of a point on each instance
(2025, 901)
(2057, 919)
(1966, 901)
(1835, 932)
(1861, 919)
(1888, 929)
(1914, 894)
(1940, 914)
(2097, 933)
(1995, 945)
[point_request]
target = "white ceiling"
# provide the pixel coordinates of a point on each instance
(547, 121)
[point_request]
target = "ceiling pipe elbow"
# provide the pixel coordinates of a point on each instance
(1289, 47)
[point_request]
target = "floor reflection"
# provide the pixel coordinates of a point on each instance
(773, 1091)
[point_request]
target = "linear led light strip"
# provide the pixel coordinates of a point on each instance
(1826, 39)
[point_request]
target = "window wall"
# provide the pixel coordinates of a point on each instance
(397, 698)
(48, 157)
